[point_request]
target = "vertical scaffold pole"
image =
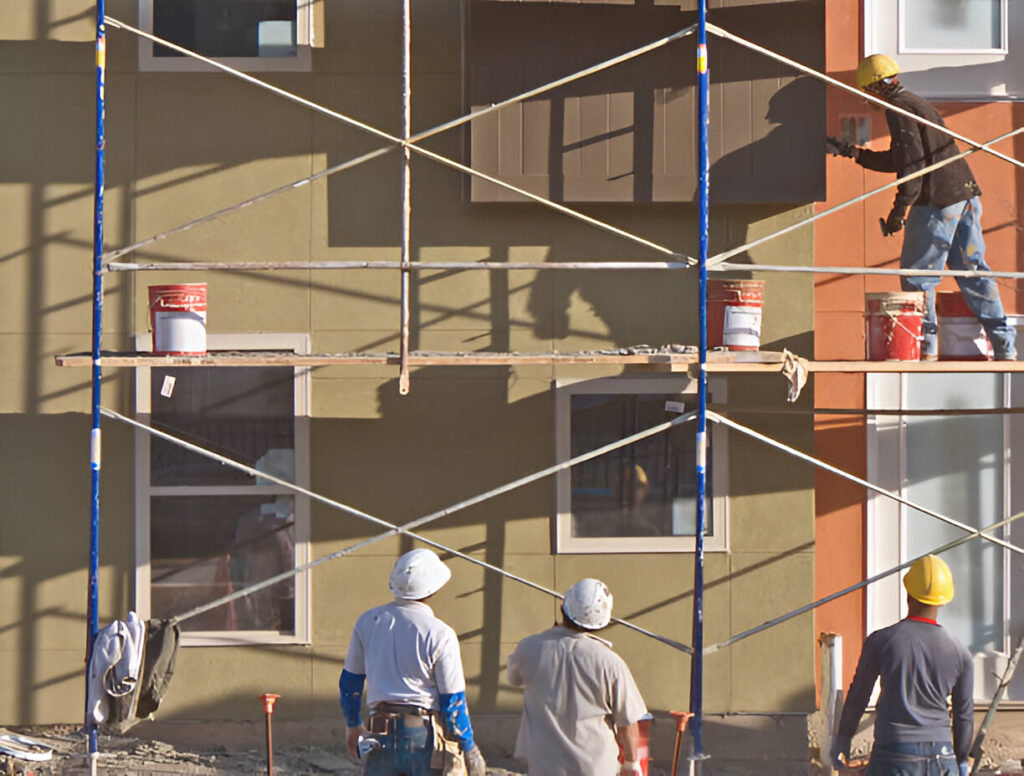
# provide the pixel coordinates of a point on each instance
(97, 331)
(406, 272)
(697, 664)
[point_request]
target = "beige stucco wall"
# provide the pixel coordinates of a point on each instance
(180, 146)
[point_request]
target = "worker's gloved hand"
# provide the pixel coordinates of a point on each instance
(965, 769)
(839, 147)
(841, 749)
(475, 765)
(630, 768)
(352, 740)
(897, 217)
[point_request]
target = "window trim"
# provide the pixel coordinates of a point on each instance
(298, 343)
(564, 542)
(301, 62)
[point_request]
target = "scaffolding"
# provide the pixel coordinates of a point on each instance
(699, 362)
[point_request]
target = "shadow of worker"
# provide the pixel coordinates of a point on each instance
(787, 165)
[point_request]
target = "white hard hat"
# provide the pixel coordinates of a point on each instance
(418, 574)
(588, 603)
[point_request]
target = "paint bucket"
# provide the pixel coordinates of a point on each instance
(961, 335)
(894, 325)
(734, 314)
(643, 746)
(177, 316)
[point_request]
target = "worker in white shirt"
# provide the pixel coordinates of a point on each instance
(415, 687)
(581, 704)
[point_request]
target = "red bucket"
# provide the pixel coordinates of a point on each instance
(894, 325)
(734, 314)
(177, 316)
(961, 335)
(643, 748)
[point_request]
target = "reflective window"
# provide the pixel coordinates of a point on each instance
(930, 25)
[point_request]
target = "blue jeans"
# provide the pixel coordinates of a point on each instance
(405, 751)
(912, 760)
(951, 236)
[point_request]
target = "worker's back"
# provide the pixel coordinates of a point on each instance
(919, 664)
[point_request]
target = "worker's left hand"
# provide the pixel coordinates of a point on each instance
(352, 740)
(475, 765)
(630, 769)
(896, 219)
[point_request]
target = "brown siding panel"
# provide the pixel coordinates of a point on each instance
(628, 133)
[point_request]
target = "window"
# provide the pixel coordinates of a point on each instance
(642, 497)
(244, 34)
(204, 529)
(953, 49)
(960, 466)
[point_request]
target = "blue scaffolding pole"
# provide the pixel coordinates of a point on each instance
(97, 331)
(697, 665)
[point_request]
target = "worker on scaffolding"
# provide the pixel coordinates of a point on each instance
(941, 209)
(919, 665)
(581, 699)
(415, 686)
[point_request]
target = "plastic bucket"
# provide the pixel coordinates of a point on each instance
(894, 325)
(643, 747)
(961, 335)
(734, 314)
(177, 316)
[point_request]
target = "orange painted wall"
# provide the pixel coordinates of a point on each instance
(852, 237)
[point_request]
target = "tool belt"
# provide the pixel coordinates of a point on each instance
(447, 756)
(385, 716)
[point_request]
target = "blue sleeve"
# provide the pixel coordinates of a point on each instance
(351, 688)
(455, 715)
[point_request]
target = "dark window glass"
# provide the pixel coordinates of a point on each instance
(226, 28)
(645, 489)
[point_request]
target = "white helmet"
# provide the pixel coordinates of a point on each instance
(588, 603)
(418, 574)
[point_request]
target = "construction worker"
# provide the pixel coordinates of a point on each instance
(581, 702)
(919, 665)
(941, 210)
(415, 687)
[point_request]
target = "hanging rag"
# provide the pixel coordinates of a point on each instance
(114, 665)
(794, 369)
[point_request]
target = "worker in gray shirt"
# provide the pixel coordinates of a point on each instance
(920, 665)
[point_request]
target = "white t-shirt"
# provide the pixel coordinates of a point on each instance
(577, 688)
(408, 655)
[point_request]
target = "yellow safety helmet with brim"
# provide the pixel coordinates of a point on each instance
(874, 68)
(930, 581)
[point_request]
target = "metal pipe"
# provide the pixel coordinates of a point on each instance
(407, 528)
(97, 372)
(858, 93)
(1004, 682)
(403, 347)
(863, 583)
(703, 188)
(268, 699)
(862, 482)
(396, 140)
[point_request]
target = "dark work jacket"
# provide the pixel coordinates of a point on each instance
(915, 146)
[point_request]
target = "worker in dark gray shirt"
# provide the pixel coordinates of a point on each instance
(920, 665)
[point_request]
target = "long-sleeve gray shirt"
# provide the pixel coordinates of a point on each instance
(920, 664)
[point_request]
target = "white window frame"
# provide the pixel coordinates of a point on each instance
(886, 524)
(301, 62)
(937, 74)
(297, 343)
(565, 542)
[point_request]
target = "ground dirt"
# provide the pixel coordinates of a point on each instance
(140, 755)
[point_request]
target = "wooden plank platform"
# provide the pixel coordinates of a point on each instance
(651, 360)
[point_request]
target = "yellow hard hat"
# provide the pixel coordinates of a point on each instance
(874, 68)
(930, 581)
